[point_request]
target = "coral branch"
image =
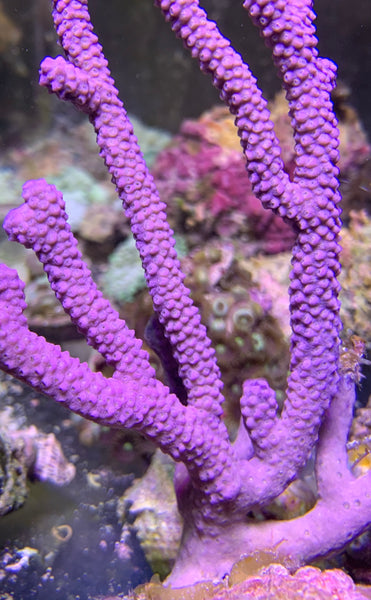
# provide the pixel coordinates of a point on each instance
(186, 433)
(88, 84)
(41, 224)
(311, 207)
(259, 413)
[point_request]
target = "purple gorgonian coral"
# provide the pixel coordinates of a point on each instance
(217, 482)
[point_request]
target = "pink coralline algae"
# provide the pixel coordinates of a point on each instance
(202, 178)
(308, 583)
(218, 482)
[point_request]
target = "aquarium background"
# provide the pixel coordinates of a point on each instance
(158, 80)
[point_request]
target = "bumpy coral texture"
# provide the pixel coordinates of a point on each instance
(218, 483)
(309, 201)
(41, 223)
(249, 340)
(86, 81)
(201, 175)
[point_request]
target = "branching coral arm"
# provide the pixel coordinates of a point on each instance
(41, 224)
(325, 529)
(188, 434)
(84, 79)
(288, 29)
(238, 88)
(309, 203)
(343, 507)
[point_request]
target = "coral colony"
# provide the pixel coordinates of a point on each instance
(217, 482)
